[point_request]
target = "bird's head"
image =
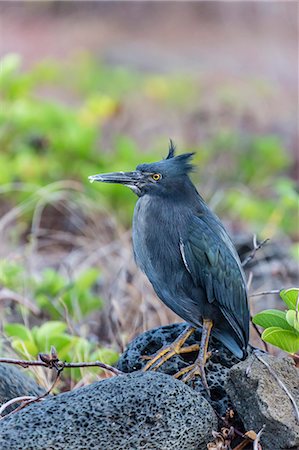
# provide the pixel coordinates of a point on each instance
(153, 178)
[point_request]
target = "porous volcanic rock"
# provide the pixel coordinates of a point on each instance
(15, 383)
(134, 411)
(217, 366)
(259, 400)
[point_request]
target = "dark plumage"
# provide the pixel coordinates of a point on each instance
(185, 251)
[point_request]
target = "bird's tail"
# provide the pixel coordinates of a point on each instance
(230, 342)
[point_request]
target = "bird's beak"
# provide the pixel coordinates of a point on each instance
(125, 178)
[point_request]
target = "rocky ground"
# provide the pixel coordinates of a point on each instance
(152, 410)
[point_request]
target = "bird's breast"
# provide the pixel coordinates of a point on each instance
(155, 236)
(156, 241)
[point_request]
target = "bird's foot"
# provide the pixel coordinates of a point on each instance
(198, 368)
(166, 352)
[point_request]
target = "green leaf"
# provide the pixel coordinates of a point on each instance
(27, 349)
(87, 279)
(284, 339)
(89, 303)
(292, 318)
(105, 355)
(51, 283)
(272, 318)
(290, 297)
(11, 274)
(18, 330)
(63, 343)
(49, 330)
(9, 65)
(47, 304)
(81, 349)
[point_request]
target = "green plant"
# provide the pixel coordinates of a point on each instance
(28, 343)
(44, 140)
(66, 302)
(282, 327)
(262, 194)
(56, 295)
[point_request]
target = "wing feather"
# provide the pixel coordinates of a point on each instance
(213, 263)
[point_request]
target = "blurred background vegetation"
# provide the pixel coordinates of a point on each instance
(97, 87)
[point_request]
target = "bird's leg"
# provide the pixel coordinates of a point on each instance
(175, 348)
(198, 368)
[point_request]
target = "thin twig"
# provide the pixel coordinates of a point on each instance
(13, 401)
(50, 361)
(295, 357)
(228, 424)
(60, 365)
(259, 333)
(33, 399)
(274, 291)
(249, 280)
(243, 444)
(256, 445)
(281, 384)
(256, 247)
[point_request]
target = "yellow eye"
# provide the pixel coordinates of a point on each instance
(156, 176)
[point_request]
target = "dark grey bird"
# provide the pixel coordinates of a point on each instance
(188, 257)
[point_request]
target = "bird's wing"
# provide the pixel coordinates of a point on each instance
(211, 259)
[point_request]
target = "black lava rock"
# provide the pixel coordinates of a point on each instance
(217, 366)
(135, 411)
(14, 383)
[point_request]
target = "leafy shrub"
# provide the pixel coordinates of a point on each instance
(44, 140)
(262, 194)
(282, 327)
(53, 293)
(64, 302)
(28, 343)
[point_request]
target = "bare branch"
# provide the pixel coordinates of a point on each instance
(59, 365)
(227, 421)
(244, 444)
(13, 401)
(29, 400)
(274, 291)
(256, 247)
(295, 357)
(50, 361)
(255, 327)
(256, 445)
(249, 281)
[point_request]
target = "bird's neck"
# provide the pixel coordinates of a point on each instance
(158, 213)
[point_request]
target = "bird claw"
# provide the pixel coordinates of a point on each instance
(146, 357)
(166, 352)
(163, 355)
(190, 372)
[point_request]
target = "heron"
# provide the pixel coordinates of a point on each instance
(188, 257)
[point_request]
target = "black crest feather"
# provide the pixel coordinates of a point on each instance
(171, 149)
(184, 161)
(172, 165)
